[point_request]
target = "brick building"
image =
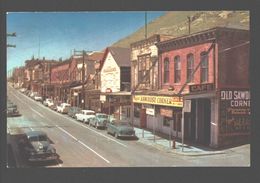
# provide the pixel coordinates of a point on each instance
(219, 90)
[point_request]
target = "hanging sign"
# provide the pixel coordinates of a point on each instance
(150, 111)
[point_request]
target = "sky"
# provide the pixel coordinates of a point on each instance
(55, 35)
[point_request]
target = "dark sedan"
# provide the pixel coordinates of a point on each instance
(120, 129)
(35, 146)
(12, 110)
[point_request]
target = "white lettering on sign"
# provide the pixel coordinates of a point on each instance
(240, 103)
(235, 95)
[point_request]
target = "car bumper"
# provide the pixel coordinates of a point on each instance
(126, 135)
(43, 158)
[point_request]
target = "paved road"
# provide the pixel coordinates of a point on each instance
(79, 145)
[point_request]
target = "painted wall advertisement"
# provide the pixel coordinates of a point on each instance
(234, 111)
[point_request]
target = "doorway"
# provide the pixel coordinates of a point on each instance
(204, 118)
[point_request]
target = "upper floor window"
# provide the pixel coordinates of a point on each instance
(177, 69)
(166, 70)
(144, 65)
(190, 67)
(204, 67)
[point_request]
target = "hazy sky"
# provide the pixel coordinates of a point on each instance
(59, 33)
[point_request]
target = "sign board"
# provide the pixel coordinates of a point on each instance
(150, 111)
(158, 100)
(75, 94)
(166, 112)
(187, 105)
(108, 90)
(201, 87)
(102, 98)
(234, 111)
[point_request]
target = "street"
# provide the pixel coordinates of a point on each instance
(79, 145)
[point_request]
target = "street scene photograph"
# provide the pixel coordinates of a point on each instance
(128, 89)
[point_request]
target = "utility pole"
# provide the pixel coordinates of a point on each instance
(189, 21)
(84, 54)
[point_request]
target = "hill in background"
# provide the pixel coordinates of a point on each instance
(175, 23)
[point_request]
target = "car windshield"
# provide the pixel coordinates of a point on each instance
(122, 124)
(102, 116)
(38, 138)
(90, 113)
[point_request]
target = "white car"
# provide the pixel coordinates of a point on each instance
(37, 98)
(63, 108)
(48, 102)
(33, 94)
(85, 115)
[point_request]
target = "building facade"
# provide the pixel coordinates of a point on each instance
(115, 76)
(210, 70)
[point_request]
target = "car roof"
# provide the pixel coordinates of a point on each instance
(100, 113)
(88, 111)
(35, 133)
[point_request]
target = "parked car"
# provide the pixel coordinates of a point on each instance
(35, 146)
(120, 128)
(63, 108)
(53, 107)
(73, 110)
(32, 94)
(99, 121)
(22, 90)
(85, 115)
(12, 110)
(49, 102)
(38, 98)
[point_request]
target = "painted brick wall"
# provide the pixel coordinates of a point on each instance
(234, 62)
(183, 52)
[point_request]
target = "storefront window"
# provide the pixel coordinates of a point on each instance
(137, 109)
(167, 121)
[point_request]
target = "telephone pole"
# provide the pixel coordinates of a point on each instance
(84, 54)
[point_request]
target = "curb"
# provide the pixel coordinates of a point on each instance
(174, 151)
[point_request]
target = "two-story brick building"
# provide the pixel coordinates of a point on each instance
(218, 90)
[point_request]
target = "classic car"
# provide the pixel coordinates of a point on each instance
(120, 128)
(99, 121)
(12, 110)
(63, 108)
(72, 111)
(85, 115)
(35, 146)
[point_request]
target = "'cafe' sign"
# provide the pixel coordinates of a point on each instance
(201, 87)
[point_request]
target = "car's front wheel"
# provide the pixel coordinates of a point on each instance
(116, 135)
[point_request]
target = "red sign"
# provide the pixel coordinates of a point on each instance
(108, 90)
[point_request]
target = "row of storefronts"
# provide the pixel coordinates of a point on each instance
(194, 87)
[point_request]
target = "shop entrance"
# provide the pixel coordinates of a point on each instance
(204, 118)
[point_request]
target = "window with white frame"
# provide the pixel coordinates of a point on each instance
(177, 69)
(204, 67)
(190, 67)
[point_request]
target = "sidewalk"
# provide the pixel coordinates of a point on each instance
(164, 144)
